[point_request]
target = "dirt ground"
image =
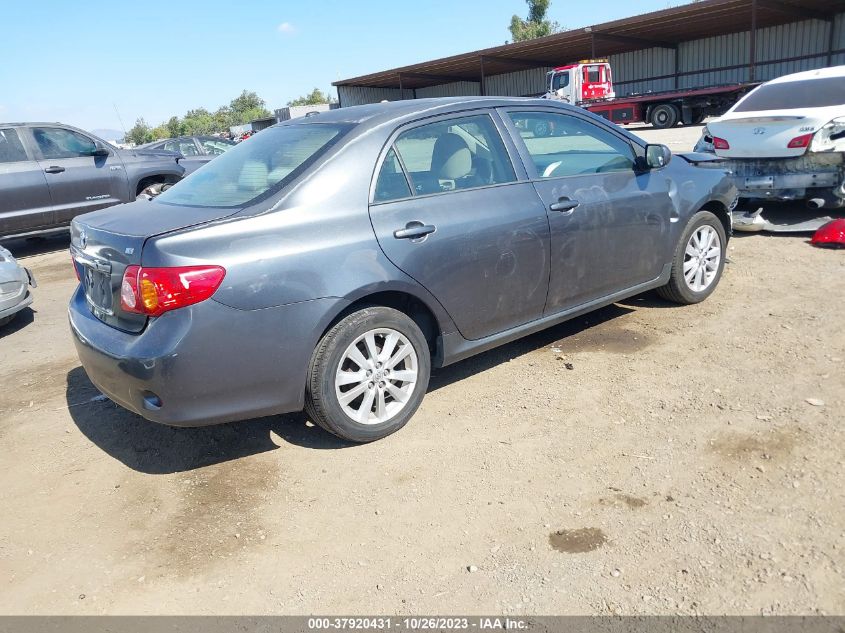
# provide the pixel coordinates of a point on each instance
(643, 459)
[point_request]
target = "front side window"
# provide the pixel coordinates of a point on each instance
(257, 168)
(561, 80)
(11, 148)
(184, 146)
(60, 143)
(807, 93)
(564, 145)
(454, 154)
(215, 146)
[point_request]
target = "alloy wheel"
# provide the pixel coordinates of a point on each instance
(702, 257)
(376, 376)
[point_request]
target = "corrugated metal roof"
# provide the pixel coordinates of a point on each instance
(668, 28)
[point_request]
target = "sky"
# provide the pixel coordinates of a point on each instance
(95, 63)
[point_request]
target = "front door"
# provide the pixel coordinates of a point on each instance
(79, 181)
(25, 203)
(448, 210)
(609, 223)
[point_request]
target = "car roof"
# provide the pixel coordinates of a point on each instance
(819, 73)
(394, 111)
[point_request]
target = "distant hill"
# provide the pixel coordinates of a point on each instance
(108, 135)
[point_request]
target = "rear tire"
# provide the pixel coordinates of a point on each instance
(368, 375)
(664, 116)
(698, 261)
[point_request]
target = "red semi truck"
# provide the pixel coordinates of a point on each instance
(589, 84)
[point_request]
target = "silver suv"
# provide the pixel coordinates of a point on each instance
(50, 173)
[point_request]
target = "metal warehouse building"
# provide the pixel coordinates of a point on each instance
(711, 42)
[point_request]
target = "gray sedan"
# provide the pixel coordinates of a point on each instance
(15, 281)
(196, 150)
(330, 262)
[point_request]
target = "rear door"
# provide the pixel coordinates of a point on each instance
(609, 224)
(449, 210)
(79, 181)
(25, 203)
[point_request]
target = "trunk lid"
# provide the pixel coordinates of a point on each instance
(104, 243)
(767, 134)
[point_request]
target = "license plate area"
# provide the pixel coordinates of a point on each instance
(96, 282)
(760, 182)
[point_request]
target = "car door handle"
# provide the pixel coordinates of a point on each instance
(414, 230)
(564, 204)
(55, 169)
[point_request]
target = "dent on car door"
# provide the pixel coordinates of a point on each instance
(25, 203)
(449, 211)
(79, 181)
(609, 223)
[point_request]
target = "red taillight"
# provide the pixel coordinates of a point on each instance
(720, 143)
(154, 291)
(800, 141)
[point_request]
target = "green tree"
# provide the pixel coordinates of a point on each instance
(245, 108)
(161, 131)
(198, 121)
(247, 101)
(140, 133)
(174, 126)
(537, 25)
(316, 97)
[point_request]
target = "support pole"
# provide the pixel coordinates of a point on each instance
(830, 25)
(752, 42)
(481, 86)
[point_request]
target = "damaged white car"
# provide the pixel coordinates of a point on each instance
(785, 140)
(15, 281)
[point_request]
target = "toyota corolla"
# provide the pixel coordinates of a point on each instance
(331, 262)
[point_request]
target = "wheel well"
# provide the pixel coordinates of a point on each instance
(406, 303)
(151, 180)
(721, 212)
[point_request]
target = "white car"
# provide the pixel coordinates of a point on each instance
(785, 140)
(15, 281)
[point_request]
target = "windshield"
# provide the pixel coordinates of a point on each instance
(791, 95)
(256, 168)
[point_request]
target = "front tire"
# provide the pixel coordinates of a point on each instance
(368, 375)
(698, 261)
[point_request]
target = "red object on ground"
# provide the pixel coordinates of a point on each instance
(831, 235)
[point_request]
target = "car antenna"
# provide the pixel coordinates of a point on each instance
(114, 105)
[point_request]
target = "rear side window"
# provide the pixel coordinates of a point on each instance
(808, 93)
(256, 168)
(455, 154)
(391, 183)
(56, 142)
(11, 148)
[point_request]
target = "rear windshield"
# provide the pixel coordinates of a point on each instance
(256, 168)
(791, 95)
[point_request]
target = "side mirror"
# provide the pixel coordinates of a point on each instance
(657, 156)
(100, 151)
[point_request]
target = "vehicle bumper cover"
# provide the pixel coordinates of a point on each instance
(14, 294)
(203, 364)
(786, 178)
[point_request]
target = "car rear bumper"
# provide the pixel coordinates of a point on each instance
(786, 178)
(204, 364)
(15, 294)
